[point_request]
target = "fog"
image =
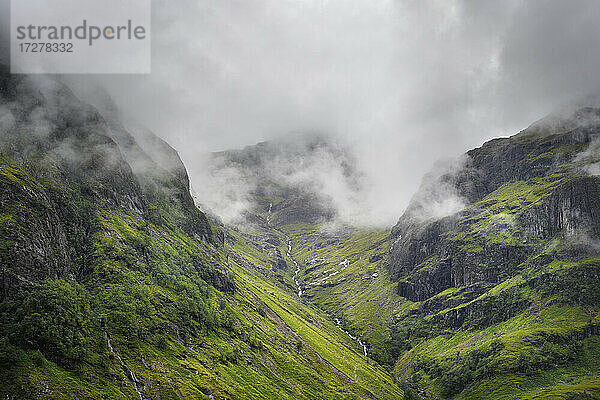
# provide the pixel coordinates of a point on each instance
(401, 83)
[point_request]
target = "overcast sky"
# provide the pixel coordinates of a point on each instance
(404, 82)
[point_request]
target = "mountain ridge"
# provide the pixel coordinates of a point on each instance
(503, 288)
(115, 285)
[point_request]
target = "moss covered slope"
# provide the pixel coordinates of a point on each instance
(114, 285)
(504, 293)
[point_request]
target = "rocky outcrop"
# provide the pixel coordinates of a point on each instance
(516, 194)
(573, 208)
(33, 243)
(425, 283)
(302, 208)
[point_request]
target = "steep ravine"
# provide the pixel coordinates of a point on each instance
(343, 264)
(288, 251)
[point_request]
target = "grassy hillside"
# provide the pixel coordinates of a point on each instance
(114, 285)
(158, 311)
(345, 274)
(313, 329)
(504, 295)
(499, 300)
(534, 334)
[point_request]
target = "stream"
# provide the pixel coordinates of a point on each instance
(344, 263)
(130, 374)
(288, 253)
(357, 340)
(269, 214)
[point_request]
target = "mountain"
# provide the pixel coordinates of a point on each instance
(291, 214)
(292, 175)
(486, 288)
(498, 258)
(115, 285)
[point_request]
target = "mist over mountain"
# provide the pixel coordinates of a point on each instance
(401, 83)
(315, 174)
(489, 276)
(310, 200)
(109, 272)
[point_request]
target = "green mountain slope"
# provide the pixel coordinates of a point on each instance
(488, 284)
(344, 273)
(114, 285)
(504, 293)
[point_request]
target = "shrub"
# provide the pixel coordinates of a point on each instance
(54, 316)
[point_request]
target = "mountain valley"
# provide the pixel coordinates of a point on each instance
(117, 283)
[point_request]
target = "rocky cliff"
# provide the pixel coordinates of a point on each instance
(514, 195)
(497, 258)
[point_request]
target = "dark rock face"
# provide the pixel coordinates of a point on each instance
(33, 242)
(572, 208)
(428, 283)
(415, 243)
(537, 151)
(517, 192)
(302, 209)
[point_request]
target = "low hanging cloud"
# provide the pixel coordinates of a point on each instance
(588, 118)
(437, 196)
(405, 83)
(223, 191)
(331, 173)
(307, 164)
(591, 157)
